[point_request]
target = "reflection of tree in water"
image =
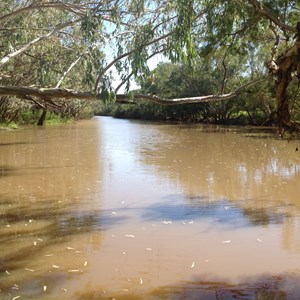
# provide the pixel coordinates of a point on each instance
(6, 171)
(258, 288)
(28, 229)
(228, 211)
(263, 216)
(222, 164)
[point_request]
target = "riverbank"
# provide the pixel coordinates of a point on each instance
(190, 113)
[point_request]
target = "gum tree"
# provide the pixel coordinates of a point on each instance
(52, 51)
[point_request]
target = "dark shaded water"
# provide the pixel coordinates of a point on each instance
(111, 208)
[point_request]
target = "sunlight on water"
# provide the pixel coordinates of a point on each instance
(118, 209)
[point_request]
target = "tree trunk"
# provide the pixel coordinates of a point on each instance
(283, 112)
(42, 118)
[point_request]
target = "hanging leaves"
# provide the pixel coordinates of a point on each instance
(89, 26)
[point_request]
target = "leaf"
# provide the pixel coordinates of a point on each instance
(129, 235)
(226, 242)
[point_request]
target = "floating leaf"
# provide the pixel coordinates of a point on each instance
(55, 266)
(167, 222)
(226, 242)
(129, 235)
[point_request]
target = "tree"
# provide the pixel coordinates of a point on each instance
(54, 50)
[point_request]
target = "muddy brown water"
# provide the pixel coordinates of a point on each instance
(119, 209)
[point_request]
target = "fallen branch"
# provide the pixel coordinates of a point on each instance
(189, 100)
(58, 93)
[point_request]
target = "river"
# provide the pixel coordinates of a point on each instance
(118, 209)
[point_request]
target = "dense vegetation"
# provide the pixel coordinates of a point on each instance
(231, 60)
(255, 107)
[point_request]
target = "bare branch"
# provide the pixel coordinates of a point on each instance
(190, 100)
(57, 5)
(69, 70)
(59, 27)
(42, 93)
(55, 93)
(127, 54)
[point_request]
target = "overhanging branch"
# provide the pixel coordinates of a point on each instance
(58, 93)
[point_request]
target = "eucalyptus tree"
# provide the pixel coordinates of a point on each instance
(52, 51)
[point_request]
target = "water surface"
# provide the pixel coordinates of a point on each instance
(119, 209)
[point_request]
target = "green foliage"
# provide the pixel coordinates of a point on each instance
(216, 45)
(89, 27)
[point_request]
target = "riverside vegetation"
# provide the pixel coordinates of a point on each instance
(235, 61)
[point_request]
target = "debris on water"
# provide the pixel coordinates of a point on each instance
(55, 266)
(74, 271)
(141, 281)
(192, 222)
(64, 290)
(45, 288)
(206, 261)
(41, 240)
(35, 243)
(124, 253)
(85, 264)
(193, 265)
(148, 249)
(29, 270)
(7, 225)
(15, 298)
(48, 254)
(114, 213)
(15, 287)
(125, 290)
(167, 222)
(7, 272)
(259, 240)
(70, 248)
(129, 235)
(226, 242)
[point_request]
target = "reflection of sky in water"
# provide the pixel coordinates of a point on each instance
(215, 211)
